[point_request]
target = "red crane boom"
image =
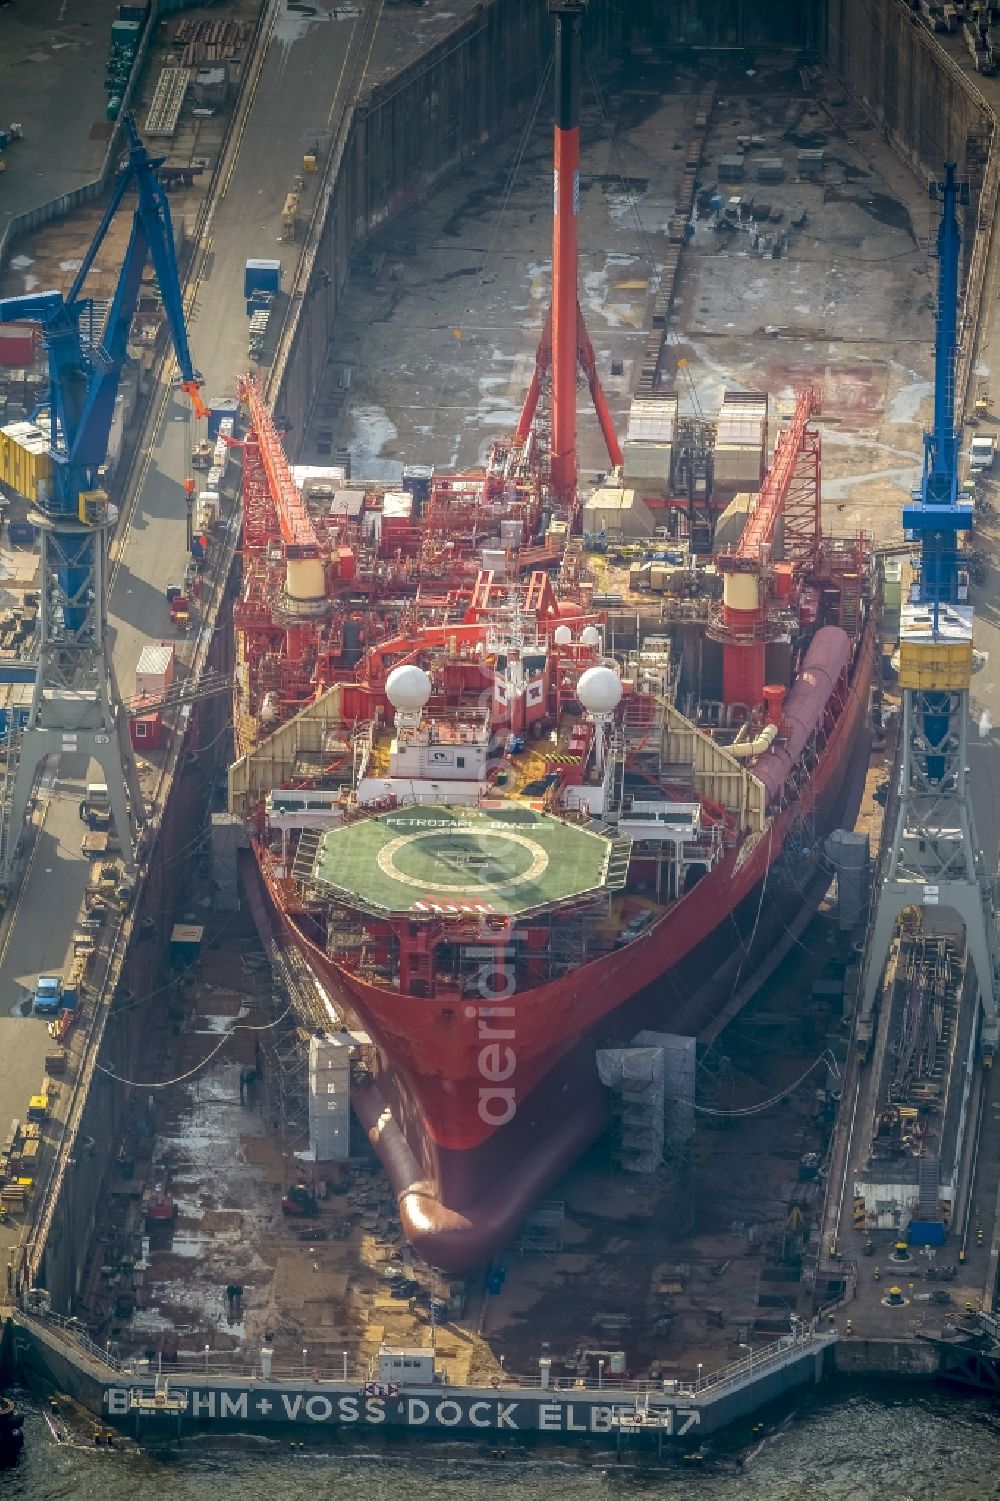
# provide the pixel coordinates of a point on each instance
(297, 531)
(774, 492)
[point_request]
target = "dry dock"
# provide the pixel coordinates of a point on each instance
(700, 1325)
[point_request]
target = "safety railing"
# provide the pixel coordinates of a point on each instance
(220, 1367)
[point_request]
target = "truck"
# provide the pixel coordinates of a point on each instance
(48, 995)
(95, 807)
(261, 282)
(982, 454)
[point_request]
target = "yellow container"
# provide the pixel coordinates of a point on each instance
(25, 464)
(309, 162)
(935, 666)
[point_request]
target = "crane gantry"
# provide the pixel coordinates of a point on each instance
(75, 704)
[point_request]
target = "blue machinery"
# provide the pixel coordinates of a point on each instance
(76, 706)
(935, 860)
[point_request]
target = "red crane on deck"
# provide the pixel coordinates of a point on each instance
(752, 583)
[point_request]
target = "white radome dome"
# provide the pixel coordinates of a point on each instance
(599, 690)
(562, 635)
(590, 636)
(408, 687)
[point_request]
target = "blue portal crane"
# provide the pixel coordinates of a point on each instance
(937, 514)
(76, 705)
(83, 378)
(935, 858)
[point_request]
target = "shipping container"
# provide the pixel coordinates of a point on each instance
(155, 670)
(146, 732)
(21, 533)
(396, 505)
(221, 409)
(261, 276)
(125, 33)
(25, 464)
(17, 345)
(15, 706)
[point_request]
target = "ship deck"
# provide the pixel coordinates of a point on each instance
(507, 859)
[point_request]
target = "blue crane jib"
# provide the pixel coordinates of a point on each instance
(84, 377)
(938, 513)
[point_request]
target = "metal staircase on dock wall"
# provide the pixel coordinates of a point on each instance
(928, 1188)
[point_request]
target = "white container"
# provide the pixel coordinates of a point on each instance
(981, 454)
(155, 670)
(397, 504)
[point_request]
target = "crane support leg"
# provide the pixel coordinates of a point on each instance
(597, 396)
(75, 706)
(934, 859)
(966, 902)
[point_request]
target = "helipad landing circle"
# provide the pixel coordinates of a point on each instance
(472, 858)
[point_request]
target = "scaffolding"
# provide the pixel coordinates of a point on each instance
(634, 1077)
(282, 1068)
(680, 1061)
(300, 1013)
(330, 1097)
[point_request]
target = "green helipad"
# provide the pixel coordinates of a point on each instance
(427, 859)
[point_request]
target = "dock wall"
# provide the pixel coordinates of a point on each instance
(797, 24)
(890, 62)
(886, 1357)
(49, 1352)
(54, 1255)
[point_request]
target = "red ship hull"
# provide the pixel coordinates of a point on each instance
(475, 1113)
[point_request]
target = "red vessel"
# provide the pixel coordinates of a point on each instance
(509, 821)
